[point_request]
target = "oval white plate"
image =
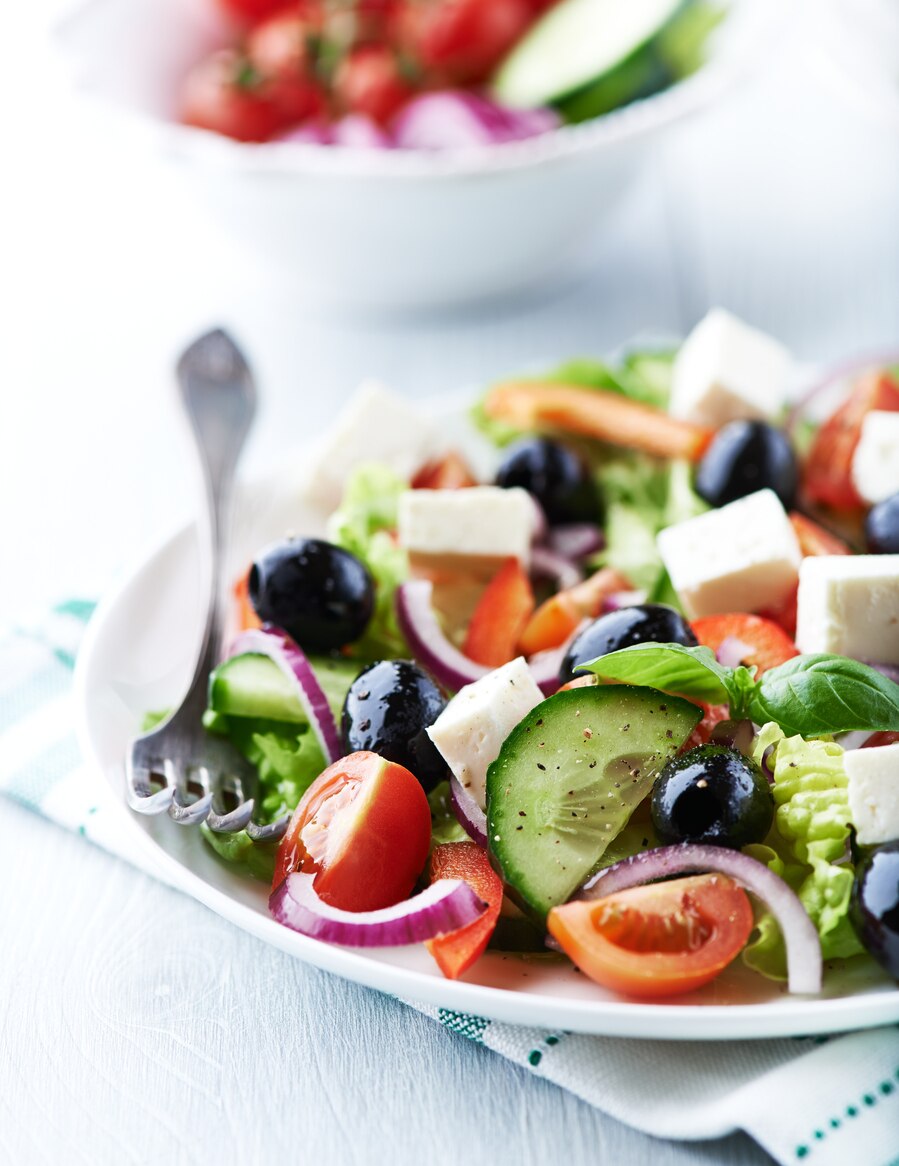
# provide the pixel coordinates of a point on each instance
(138, 655)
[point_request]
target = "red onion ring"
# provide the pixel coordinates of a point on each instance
(468, 813)
(804, 969)
(283, 651)
(732, 651)
(618, 599)
(576, 540)
(839, 372)
(550, 564)
(444, 906)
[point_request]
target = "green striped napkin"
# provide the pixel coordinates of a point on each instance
(816, 1100)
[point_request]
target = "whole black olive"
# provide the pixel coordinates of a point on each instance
(641, 624)
(320, 594)
(556, 477)
(746, 456)
(874, 906)
(882, 527)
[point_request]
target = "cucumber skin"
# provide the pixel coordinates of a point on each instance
(518, 876)
(232, 695)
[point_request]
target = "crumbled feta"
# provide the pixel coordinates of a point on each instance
(875, 463)
(849, 605)
(470, 731)
(874, 792)
(483, 523)
(742, 557)
(376, 425)
(726, 371)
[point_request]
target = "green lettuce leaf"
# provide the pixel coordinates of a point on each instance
(807, 846)
(363, 524)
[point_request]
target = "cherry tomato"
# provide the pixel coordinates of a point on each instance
(368, 81)
(279, 52)
(363, 828)
(456, 951)
(251, 11)
(828, 468)
(462, 40)
(659, 940)
(223, 94)
(768, 644)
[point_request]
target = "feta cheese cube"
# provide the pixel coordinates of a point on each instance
(476, 527)
(376, 425)
(726, 371)
(875, 463)
(849, 605)
(470, 731)
(743, 557)
(874, 792)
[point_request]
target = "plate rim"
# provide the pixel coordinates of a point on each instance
(798, 1017)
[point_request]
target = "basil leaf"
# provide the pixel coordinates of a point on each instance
(674, 668)
(819, 695)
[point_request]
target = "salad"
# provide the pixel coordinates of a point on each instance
(437, 74)
(629, 696)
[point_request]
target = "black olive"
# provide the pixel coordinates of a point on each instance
(388, 709)
(882, 527)
(874, 906)
(746, 456)
(556, 477)
(642, 624)
(320, 594)
(712, 794)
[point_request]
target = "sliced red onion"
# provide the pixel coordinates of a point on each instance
(576, 540)
(430, 647)
(359, 133)
(549, 564)
(280, 648)
(845, 371)
(471, 817)
(618, 599)
(854, 740)
(804, 968)
(540, 528)
(452, 120)
(732, 651)
(444, 906)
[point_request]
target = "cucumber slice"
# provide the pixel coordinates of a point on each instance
(252, 685)
(578, 42)
(567, 780)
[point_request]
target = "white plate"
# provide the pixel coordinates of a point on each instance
(138, 655)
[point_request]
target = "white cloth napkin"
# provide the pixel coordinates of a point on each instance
(824, 1101)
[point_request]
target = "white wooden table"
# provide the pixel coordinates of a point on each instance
(135, 1026)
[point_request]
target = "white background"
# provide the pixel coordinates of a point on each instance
(135, 1026)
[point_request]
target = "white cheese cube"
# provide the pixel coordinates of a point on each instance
(849, 605)
(726, 371)
(874, 792)
(743, 557)
(875, 463)
(482, 523)
(376, 425)
(470, 731)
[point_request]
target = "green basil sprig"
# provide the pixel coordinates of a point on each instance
(814, 696)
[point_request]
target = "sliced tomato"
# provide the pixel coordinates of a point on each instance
(500, 616)
(597, 413)
(828, 469)
(449, 472)
(768, 644)
(558, 617)
(456, 951)
(246, 615)
(363, 828)
(659, 940)
(814, 539)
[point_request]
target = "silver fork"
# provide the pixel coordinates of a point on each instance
(178, 767)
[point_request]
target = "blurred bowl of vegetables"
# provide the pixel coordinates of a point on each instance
(409, 153)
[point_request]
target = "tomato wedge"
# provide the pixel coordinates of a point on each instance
(500, 616)
(449, 472)
(558, 617)
(597, 413)
(828, 468)
(768, 644)
(456, 951)
(246, 616)
(363, 828)
(814, 539)
(659, 940)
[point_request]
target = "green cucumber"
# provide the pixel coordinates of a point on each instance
(576, 44)
(567, 780)
(253, 686)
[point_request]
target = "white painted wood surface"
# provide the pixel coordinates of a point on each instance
(135, 1027)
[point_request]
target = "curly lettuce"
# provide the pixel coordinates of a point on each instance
(808, 845)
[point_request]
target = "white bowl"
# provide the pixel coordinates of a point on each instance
(394, 229)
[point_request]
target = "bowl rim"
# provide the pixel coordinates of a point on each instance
(715, 78)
